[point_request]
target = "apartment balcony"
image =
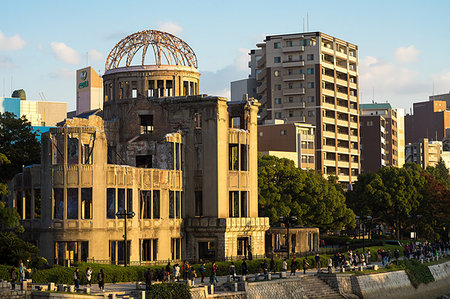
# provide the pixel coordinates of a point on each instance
(328, 106)
(341, 108)
(341, 55)
(344, 164)
(329, 120)
(327, 50)
(297, 77)
(342, 95)
(329, 148)
(341, 82)
(353, 125)
(296, 63)
(352, 71)
(353, 85)
(343, 123)
(261, 89)
(353, 98)
(261, 62)
(344, 178)
(352, 58)
(293, 91)
(353, 138)
(328, 162)
(341, 69)
(293, 49)
(354, 151)
(294, 105)
(328, 78)
(328, 92)
(353, 111)
(342, 136)
(329, 134)
(261, 75)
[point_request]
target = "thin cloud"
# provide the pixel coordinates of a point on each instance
(65, 53)
(171, 27)
(63, 74)
(11, 43)
(407, 54)
(6, 62)
(95, 55)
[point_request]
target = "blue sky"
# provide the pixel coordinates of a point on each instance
(403, 45)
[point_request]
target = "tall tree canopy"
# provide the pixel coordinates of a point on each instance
(405, 198)
(285, 190)
(18, 143)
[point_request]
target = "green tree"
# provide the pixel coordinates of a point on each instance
(390, 196)
(285, 190)
(17, 142)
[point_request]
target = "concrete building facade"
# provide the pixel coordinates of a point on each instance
(89, 90)
(294, 141)
(429, 120)
(185, 164)
(313, 78)
(380, 136)
(425, 153)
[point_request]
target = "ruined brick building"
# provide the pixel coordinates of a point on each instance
(184, 163)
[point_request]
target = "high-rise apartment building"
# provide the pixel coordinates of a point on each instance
(425, 153)
(313, 78)
(430, 120)
(381, 136)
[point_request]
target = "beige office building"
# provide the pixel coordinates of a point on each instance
(89, 90)
(294, 141)
(185, 164)
(313, 78)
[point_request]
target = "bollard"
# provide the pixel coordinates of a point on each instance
(375, 267)
(234, 287)
(71, 289)
(243, 278)
(87, 290)
(361, 268)
(269, 276)
(229, 278)
(51, 286)
(23, 286)
(342, 269)
(283, 274)
(211, 289)
(142, 295)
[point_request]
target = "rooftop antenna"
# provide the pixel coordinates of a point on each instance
(303, 24)
(433, 87)
(373, 93)
(307, 22)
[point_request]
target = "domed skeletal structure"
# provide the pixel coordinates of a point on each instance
(166, 47)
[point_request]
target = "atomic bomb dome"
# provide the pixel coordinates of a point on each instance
(171, 72)
(166, 48)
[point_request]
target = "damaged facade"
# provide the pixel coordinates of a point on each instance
(186, 164)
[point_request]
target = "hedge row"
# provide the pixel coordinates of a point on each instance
(114, 273)
(418, 273)
(169, 290)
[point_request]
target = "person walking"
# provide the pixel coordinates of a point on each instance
(88, 276)
(330, 264)
(176, 272)
(148, 279)
(317, 258)
(213, 278)
(192, 276)
(101, 280)
(76, 278)
(202, 271)
(185, 270)
(294, 266)
(265, 268)
(244, 268)
(13, 275)
(233, 271)
(168, 267)
(305, 265)
(272, 265)
(285, 265)
(21, 271)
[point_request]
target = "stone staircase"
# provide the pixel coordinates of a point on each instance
(314, 287)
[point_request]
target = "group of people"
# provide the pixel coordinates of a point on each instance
(351, 259)
(426, 249)
(88, 276)
(17, 274)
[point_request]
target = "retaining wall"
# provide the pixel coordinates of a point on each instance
(390, 284)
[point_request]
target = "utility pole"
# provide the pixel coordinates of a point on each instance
(125, 215)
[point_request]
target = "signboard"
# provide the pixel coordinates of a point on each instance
(83, 78)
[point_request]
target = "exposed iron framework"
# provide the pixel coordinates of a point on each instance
(164, 45)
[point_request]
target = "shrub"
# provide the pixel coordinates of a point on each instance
(418, 273)
(169, 290)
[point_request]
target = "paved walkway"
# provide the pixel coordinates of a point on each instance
(128, 286)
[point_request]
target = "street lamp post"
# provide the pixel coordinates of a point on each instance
(125, 215)
(362, 220)
(288, 221)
